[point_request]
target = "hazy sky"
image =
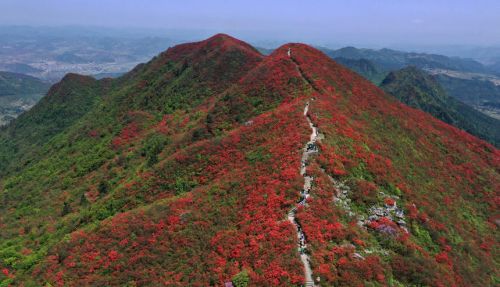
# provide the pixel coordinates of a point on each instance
(379, 22)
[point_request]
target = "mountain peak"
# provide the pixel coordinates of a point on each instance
(76, 77)
(226, 42)
(299, 49)
(217, 43)
(218, 60)
(222, 158)
(223, 37)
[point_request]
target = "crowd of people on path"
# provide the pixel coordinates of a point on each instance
(310, 148)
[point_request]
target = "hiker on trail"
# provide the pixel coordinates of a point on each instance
(289, 52)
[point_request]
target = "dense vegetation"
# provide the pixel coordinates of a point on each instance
(375, 64)
(18, 93)
(182, 171)
(466, 104)
(365, 68)
(473, 92)
(19, 84)
(66, 102)
(419, 90)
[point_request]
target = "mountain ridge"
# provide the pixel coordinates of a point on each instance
(19, 84)
(181, 175)
(18, 93)
(393, 59)
(419, 90)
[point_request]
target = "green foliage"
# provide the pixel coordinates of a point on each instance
(103, 187)
(419, 90)
(6, 282)
(83, 200)
(423, 237)
(470, 91)
(153, 145)
(19, 84)
(365, 68)
(257, 155)
(70, 100)
(241, 279)
(183, 185)
(66, 209)
(174, 200)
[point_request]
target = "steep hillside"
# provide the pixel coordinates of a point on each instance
(463, 79)
(365, 68)
(474, 92)
(18, 93)
(213, 163)
(65, 103)
(419, 90)
(18, 84)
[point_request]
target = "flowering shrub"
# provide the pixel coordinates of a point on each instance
(200, 152)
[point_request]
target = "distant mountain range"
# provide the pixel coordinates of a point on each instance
(18, 93)
(417, 89)
(12, 84)
(50, 53)
(495, 66)
(466, 80)
(388, 59)
(364, 67)
(471, 91)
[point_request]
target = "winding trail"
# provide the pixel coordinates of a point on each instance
(309, 149)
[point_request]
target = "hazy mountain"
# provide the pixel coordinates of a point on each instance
(50, 53)
(465, 80)
(481, 94)
(365, 68)
(18, 93)
(419, 90)
(495, 66)
(391, 59)
(19, 84)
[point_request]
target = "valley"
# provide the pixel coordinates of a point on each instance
(50, 53)
(18, 94)
(12, 106)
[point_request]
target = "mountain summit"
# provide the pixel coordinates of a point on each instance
(214, 164)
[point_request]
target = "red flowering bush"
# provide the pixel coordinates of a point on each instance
(210, 200)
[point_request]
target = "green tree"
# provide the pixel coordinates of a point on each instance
(83, 200)
(103, 187)
(66, 209)
(152, 147)
(241, 279)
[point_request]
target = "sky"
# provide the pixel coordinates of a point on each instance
(342, 22)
